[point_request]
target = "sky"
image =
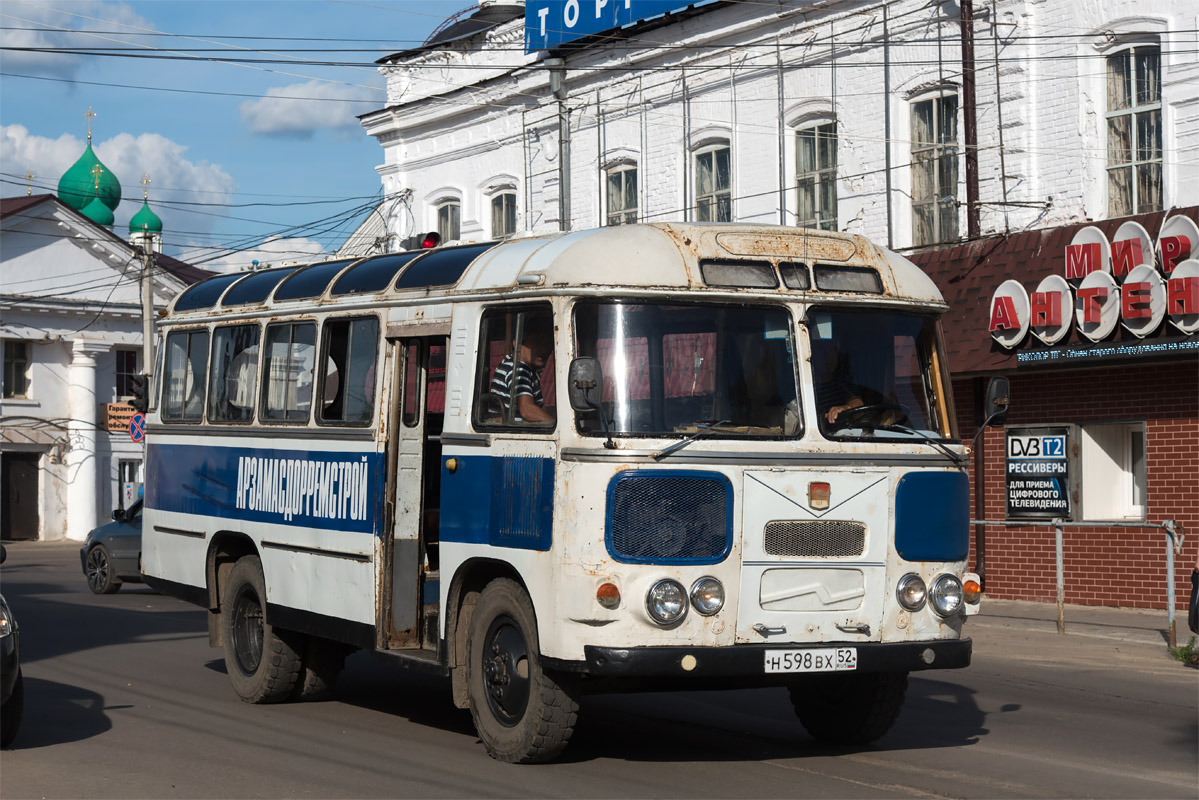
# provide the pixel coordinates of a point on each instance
(246, 162)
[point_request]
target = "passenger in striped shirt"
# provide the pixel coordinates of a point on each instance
(525, 384)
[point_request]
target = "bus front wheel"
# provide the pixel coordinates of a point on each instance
(522, 714)
(849, 709)
(263, 662)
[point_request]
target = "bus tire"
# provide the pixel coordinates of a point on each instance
(320, 666)
(849, 709)
(522, 714)
(263, 662)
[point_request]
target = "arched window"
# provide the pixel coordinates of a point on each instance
(816, 176)
(935, 170)
(714, 183)
(449, 219)
(620, 194)
(503, 215)
(1134, 131)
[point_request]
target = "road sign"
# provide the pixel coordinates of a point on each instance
(137, 427)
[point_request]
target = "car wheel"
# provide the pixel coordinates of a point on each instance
(522, 713)
(321, 663)
(263, 661)
(10, 713)
(99, 571)
(849, 709)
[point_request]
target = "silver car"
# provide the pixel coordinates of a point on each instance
(112, 554)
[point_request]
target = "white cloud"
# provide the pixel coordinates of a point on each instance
(57, 28)
(176, 181)
(273, 252)
(275, 114)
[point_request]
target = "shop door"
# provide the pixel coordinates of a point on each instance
(19, 518)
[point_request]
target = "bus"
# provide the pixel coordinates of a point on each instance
(656, 456)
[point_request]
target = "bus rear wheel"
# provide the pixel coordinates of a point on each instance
(849, 709)
(522, 714)
(263, 662)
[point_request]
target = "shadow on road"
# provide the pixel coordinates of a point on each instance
(56, 713)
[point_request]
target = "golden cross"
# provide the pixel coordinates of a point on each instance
(97, 171)
(145, 186)
(29, 176)
(88, 116)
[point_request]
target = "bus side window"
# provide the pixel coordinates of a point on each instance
(514, 384)
(186, 368)
(290, 356)
(234, 378)
(351, 347)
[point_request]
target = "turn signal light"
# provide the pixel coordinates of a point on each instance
(973, 591)
(818, 494)
(607, 595)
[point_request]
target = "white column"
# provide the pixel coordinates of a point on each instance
(82, 473)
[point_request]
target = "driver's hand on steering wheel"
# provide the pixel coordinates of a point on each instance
(832, 414)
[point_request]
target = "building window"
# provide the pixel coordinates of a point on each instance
(621, 195)
(16, 369)
(816, 177)
(1114, 478)
(129, 483)
(449, 215)
(935, 170)
(714, 185)
(1134, 131)
(503, 215)
(126, 371)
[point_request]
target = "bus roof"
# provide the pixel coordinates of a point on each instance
(723, 257)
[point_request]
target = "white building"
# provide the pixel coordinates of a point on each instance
(843, 115)
(71, 326)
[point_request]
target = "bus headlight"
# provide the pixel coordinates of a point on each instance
(947, 595)
(666, 602)
(707, 596)
(911, 592)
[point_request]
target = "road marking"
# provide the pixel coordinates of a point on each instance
(912, 791)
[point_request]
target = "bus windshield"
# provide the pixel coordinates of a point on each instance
(678, 369)
(879, 374)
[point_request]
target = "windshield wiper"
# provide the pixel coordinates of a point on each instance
(704, 430)
(954, 457)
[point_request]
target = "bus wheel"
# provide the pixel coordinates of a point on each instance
(263, 662)
(849, 709)
(322, 662)
(522, 714)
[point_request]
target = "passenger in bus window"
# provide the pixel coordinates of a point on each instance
(524, 384)
(835, 391)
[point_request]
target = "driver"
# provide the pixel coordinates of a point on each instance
(834, 385)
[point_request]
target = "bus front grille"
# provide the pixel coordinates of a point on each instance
(815, 539)
(669, 517)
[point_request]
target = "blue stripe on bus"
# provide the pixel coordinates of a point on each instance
(505, 501)
(932, 516)
(309, 488)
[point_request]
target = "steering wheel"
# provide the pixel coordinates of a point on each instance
(856, 416)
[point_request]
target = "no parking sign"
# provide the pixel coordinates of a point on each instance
(137, 427)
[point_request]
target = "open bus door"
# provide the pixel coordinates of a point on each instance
(409, 565)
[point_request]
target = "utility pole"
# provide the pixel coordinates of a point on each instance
(557, 68)
(968, 115)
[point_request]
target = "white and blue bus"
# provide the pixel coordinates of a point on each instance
(646, 456)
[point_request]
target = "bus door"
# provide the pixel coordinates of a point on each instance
(410, 568)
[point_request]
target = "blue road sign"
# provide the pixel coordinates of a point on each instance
(137, 427)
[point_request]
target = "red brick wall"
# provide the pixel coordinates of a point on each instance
(1102, 566)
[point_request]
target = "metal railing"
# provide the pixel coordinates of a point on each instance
(1171, 528)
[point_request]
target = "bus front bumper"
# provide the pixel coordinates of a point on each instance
(750, 660)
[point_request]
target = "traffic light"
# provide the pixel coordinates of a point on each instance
(423, 241)
(139, 386)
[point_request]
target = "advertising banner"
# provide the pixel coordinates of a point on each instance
(549, 23)
(1038, 473)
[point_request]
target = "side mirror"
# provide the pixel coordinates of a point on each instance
(585, 383)
(118, 514)
(999, 393)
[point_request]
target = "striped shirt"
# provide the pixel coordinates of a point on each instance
(526, 382)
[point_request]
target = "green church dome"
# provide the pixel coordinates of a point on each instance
(98, 212)
(145, 220)
(78, 184)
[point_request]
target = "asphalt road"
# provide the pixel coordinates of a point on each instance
(125, 699)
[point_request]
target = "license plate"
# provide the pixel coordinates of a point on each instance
(825, 659)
